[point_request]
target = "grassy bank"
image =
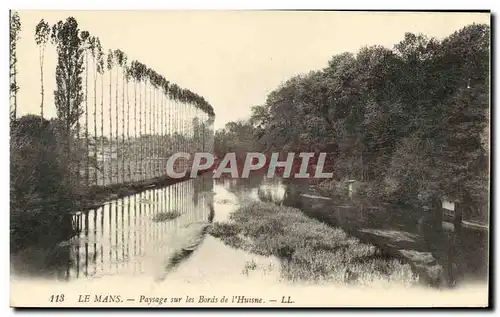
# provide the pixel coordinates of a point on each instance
(311, 251)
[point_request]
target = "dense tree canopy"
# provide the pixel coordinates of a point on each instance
(413, 121)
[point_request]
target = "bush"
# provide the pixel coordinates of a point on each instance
(384, 190)
(40, 191)
(166, 216)
(332, 187)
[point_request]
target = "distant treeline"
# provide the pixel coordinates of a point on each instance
(411, 122)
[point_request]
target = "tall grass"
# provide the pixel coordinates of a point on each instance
(311, 251)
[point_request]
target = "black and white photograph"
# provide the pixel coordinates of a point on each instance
(249, 158)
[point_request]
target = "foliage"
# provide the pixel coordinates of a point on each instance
(238, 137)
(15, 29)
(412, 121)
(39, 181)
(69, 94)
(35, 186)
(42, 32)
(311, 250)
(166, 216)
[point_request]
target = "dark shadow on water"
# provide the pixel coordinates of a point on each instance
(211, 215)
(462, 253)
(412, 235)
(110, 236)
(183, 254)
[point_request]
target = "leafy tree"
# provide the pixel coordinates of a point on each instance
(101, 69)
(15, 29)
(68, 95)
(412, 121)
(110, 65)
(121, 62)
(139, 73)
(39, 179)
(85, 38)
(42, 32)
(97, 62)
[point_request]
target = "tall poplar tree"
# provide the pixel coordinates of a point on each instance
(68, 94)
(15, 29)
(42, 32)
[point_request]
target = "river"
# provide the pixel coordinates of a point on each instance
(131, 242)
(126, 238)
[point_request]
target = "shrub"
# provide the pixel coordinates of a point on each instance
(40, 191)
(166, 216)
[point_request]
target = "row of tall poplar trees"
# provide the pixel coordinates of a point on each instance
(76, 49)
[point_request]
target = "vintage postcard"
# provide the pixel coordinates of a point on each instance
(284, 159)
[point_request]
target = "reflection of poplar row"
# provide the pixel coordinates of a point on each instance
(116, 237)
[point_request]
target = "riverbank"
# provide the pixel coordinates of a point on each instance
(62, 222)
(95, 196)
(441, 258)
(476, 217)
(310, 251)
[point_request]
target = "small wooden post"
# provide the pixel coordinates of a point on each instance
(457, 220)
(350, 184)
(455, 209)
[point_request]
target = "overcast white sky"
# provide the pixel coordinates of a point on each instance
(232, 58)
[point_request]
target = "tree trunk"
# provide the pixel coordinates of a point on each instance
(135, 128)
(110, 129)
(140, 131)
(149, 135)
(95, 122)
(87, 176)
(15, 93)
(41, 83)
(123, 125)
(117, 136)
(102, 128)
(128, 134)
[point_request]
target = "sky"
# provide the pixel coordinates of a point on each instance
(234, 59)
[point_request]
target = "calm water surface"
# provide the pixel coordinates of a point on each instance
(127, 239)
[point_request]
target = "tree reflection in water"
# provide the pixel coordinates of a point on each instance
(120, 236)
